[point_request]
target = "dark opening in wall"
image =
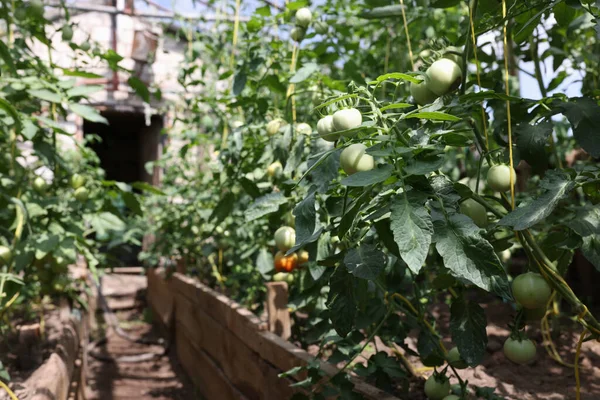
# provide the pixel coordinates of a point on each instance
(124, 147)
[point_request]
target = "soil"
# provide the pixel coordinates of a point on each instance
(156, 379)
(21, 361)
(543, 379)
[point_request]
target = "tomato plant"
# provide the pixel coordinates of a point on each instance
(424, 211)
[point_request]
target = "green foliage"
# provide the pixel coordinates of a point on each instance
(386, 243)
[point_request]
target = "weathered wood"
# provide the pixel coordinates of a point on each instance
(225, 347)
(277, 309)
(52, 380)
(238, 362)
(160, 297)
(208, 377)
(29, 350)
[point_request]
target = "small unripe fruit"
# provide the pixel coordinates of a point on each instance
(347, 119)
(5, 255)
(81, 194)
(285, 238)
(498, 177)
(326, 130)
(274, 126)
(303, 128)
(77, 181)
(531, 290)
(444, 76)
(303, 17)
(475, 211)
(355, 159)
(67, 33)
(421, 93)
(298, 34)
(275, 169)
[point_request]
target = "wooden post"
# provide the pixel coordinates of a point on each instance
(30, 346)
(277, 309)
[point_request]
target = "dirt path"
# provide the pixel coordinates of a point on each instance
(156, 379)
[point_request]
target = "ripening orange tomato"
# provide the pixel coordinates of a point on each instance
(285, 263)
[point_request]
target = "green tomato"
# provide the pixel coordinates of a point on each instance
(451, 397)
(40, 185)
(275, 169)
(85, 46)
(531, 290)
(274, 126)
(5, 255)
(348, 118)
(534, 314)
(519, 351)
(475, 211)
(436, 388)
(325, 129)
(303, 17)
(37, 8)
(454, 359)
(285, 238)
(298, 34)
(450, 53)
(498, 177)
(321, 27)
(81, 194)
(67, 33)
(283, 277)
(421, 93)
(444, 76)
(77, 181)
(289, 219)
(355, 159)
(304, 129)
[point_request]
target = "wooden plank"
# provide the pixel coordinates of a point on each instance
(219, 306)
(160, 297)
(239, 363)
(206, 375)
(277, 309)
(242, 324)
(275, 388)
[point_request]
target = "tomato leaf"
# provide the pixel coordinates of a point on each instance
(306, 217)
(140, 88)
(467, 325)
(584, 115)
(223, 208)
(264, 205)
(87, 112)
(304, 73)
(366, 178)
(342, 301)
(412, 227)
(468, 255)
(433, 116)
(45, 94)
(587, 225)
(557, 185)
(264, 263)
(366, 262)
(532, 141)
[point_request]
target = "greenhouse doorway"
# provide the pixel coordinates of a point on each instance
(124, 147)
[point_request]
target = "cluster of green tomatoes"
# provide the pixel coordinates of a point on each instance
(304, 18)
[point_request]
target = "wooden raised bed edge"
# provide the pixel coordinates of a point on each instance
(63, 374)
(226, 349)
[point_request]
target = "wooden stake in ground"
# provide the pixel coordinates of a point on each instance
(277, 309)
